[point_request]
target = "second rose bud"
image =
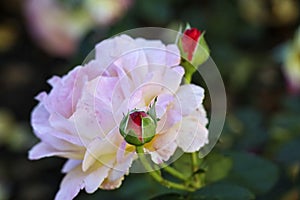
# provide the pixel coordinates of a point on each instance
(139, 127)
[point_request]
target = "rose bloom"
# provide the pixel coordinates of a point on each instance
(79, 119)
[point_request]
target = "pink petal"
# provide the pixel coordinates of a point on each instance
(41, 96)
(173, 55)
(71, 184)
(39, 120)
(54, 81)
(64, 129)
(42, 150)
(70, 164)
(61, 99)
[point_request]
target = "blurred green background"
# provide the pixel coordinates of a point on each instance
(254, 43)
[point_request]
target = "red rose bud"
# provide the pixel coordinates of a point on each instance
(138, 127)
(193, 50)
(190, 41)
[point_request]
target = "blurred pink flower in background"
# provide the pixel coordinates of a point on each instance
(79, 119)
(291, 67)
(57, 26)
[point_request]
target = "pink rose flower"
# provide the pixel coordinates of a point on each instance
(79, 119)
(58, 28)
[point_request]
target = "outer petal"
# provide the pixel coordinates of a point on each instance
(108, 50)
(102, 150)
(94, 179)
(42, 150)
(70, 186)
(122, 165)
(173, 55)
(63, 129)
(70, 164)
(192, 135)
(190, 98)
(109, 185)
(39, 120)
(61, 98)
(163, 146)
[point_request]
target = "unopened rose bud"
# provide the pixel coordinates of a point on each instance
(138, 127)
(193, 49)
(190, 41)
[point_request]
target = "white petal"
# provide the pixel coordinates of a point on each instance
(102, 150)
(94, 179)
(64, 129)
(42, 150)
(173, 55)
(200, 114)
(70, 164)
(192, 134)
(190, 98)
(154, 51)
(121, 168)
(162, 104)
(71, 184)
(39, 120)
(109, 185)
(168, 120)
(92, 118)
(102, 87)
(164, 146)
(108, 50)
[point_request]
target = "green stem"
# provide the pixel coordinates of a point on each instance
(156, 175)
(195, 167)
(174, 172)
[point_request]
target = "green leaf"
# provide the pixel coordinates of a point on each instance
(169, 196)
(289, 153)
(253, 172)
(223, 191)
(152, 111)
(218, 167)
(252, 133)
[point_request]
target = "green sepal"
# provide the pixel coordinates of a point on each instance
(123, 125)
(132, 138)
(148, 129)
(152, 111)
